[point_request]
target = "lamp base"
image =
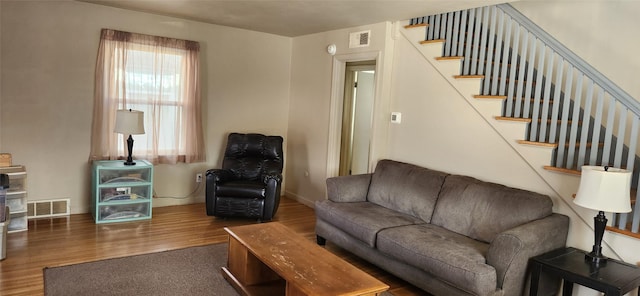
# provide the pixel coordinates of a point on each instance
(596, 259)
(129, 163)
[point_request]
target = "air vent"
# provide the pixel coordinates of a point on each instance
(359, 39)
(47, 208)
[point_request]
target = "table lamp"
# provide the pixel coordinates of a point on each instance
(129, 122)
(603, 189)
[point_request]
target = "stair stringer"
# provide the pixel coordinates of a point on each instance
(563, 185)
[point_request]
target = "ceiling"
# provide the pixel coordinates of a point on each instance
(295, 17)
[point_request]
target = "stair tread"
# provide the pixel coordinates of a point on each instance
(496, 97)
(416, 26)
(449, 58)
(566, 144)
(517, 119)
(432, 41)
(467, 76)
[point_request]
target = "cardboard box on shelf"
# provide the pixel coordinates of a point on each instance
(5, 159)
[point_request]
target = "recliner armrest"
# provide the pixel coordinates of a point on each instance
(271, 176)
(352, 188)
(217, 175)
(509, 252)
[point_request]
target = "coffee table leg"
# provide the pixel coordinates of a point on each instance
(245, 268)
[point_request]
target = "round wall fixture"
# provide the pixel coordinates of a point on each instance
(331, 49)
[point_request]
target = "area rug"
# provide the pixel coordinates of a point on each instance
(190, 271)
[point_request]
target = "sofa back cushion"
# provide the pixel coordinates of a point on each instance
(406, 188)
(482, 210)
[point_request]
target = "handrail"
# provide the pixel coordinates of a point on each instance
(524, 63)
(602, 81)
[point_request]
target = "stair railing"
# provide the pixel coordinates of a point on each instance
(570, 103)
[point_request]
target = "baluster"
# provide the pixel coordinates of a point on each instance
(608, 134)
(546, 98)
(436, 27)
(575, 121)
(523, 64)
(536, 100)
(447, 32)
(430, 27)
(566, 102)
(633, 143)
(468, 37)
(512, 72)
(504, 60)
(462, 38)
(586, 118)
(454, 38)
(483, 41)
(557, 98)
(497, 60)
(529, 80)
(595, 133)
(476, 42)
(635, 224)
(490, 52)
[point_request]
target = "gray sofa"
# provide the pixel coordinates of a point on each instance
(446, 234)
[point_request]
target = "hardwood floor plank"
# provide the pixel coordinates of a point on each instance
(77, 239)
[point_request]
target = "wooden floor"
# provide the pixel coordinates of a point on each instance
(76, 239)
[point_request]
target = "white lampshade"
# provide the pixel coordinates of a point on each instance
(607, 191)
(129, 122)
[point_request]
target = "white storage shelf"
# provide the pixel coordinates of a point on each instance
(16, 197)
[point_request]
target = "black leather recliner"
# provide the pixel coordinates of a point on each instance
(248, 185)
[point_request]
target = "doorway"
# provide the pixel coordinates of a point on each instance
(357, 117)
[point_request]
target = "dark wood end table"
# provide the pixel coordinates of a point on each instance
(613, 278)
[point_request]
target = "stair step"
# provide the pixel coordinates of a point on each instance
(516, 119)
(416, 26)
(562, 170)
(529, 119)
(432, 41)
(468, 76)
(449, 58)
(624, 231)
(555, 145)
(541, 144)
(490, 97)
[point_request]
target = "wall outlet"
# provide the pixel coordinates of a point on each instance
(198, 177)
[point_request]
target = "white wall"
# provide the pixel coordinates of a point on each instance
(598, 31)
(310, 104)
(48, 56)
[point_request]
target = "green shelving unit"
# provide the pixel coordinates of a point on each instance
(121, 192)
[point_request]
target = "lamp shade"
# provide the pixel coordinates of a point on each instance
(129, 122)
(604, 190)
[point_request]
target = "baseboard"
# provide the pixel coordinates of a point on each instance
(300, 199)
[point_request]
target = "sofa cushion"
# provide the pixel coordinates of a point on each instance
(406, 188)
(454, 258)
(362, 220)
(482, 210)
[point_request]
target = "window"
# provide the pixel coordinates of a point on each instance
(158, 76)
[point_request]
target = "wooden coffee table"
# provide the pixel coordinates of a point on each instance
(271, 259)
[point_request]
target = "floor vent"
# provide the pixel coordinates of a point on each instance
(47, 208)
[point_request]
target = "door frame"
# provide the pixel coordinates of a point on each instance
(337, 102)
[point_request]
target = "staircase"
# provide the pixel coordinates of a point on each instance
(556, 111)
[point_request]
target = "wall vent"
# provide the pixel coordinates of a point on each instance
(47, 208)
(359, 39)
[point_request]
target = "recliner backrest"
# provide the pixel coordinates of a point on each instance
(250, 156)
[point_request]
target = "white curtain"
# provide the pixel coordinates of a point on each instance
(156, 75)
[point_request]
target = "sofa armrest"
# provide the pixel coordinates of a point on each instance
(352, 188)
(510, 251)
